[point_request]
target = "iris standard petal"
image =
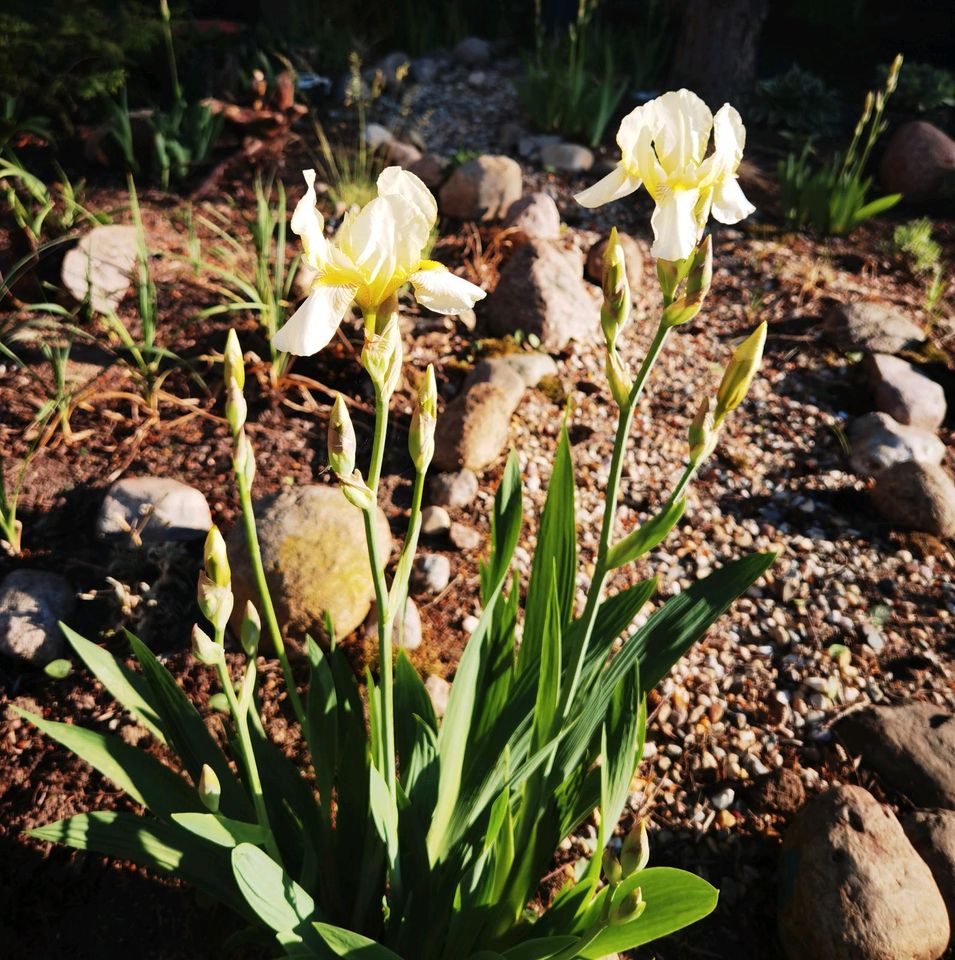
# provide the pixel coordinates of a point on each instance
(394, 181)
(618, 183)
(313, 325)
(436, 288)
(309, 224)
(675, 229)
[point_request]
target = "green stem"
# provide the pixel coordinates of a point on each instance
(385, 613)
(241, 721)
(595, 593)
(268, 609)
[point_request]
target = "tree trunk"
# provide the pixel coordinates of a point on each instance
(716, 53)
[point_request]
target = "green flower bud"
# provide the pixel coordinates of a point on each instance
(739, 373)
(615, 312)
(341, 439)
(357, 491)
(210, 792)
(618, 377)
(892, 81)
(635, 852)
(250, 630)
(236, 409)
(611, 867)
(381, 357)
(627, 908)
(233, 366)
(216, 558)
(702, 434)
(244, 459)
(698, 279)
(204, 648)
(215, 602)
(424, 421)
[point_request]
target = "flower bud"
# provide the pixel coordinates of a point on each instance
(233, 367)
(216, 558)
(341, 439)
(611, 868)
(635, 852)
(740, 372)
(215, 602)
(204, 648)
(423, 422)
(244, 459)
(698, 279)
(618, 377)
(236, 408)
(210, 791)
(357, 491)
(628, 907)
(250, 630)
(381, 357)
(892, 81)
(702, 434)
(617, 304)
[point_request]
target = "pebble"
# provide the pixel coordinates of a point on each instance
(723, 799)
(431, 573)
(435, 521)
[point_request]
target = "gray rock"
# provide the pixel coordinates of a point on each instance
(723, 799)
(430, 170)
(932, 833)
(99, 267)
(567, 157)
(32, 602)
(905, 393)
(853, 888)
(531, 367)
(377, 136)
(472, 52)
(431, 573)
(424, 70)
(464, 537)
(529, 146)
(482, 189)
(534, 217)
(916, 495)
(632, 255)
(499, 373)
(439, 690)
(910, 747)
(918, 162)
(402, 154)
(542, 291)
(408, 633)
(315, 559)
(472, 431)
(871, 327)
(435, 521)
(154, 510)
(878, 442)
(456, 489)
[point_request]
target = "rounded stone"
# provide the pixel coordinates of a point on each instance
(456, 489)
(315, 559)
(32, 602)
(534, 217)
(431, 573)
(435, 521)
(482, 189)
(632, 255)
(154, 509)
(918, 161)
(407, 634)
(916, 495)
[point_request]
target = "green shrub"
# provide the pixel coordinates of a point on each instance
(781, 104)
(923, 88)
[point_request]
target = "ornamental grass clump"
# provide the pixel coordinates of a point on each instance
(406, 837)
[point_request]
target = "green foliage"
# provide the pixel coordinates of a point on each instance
(832, 197)
(781, 104)
(575, 82)
(923, 88)
(58, 55)
(915, 243)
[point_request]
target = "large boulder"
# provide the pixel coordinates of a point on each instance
(542, 291)
(853, 887)
(534, 217)
(472, 430)
(99, 267)
(920, 496)
(911, 747)
(482, 189)
(315, 559)
(870, 326)
(919, 162)
(877, 441)
(932, 833)
(32, 602)
(153, 509)
(904, 392)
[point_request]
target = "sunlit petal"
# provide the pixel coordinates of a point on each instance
(675, 229)
(729, 203)
(439, 290)
(615, 185)
(394, 181)
(309, 224)
(313, 325)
